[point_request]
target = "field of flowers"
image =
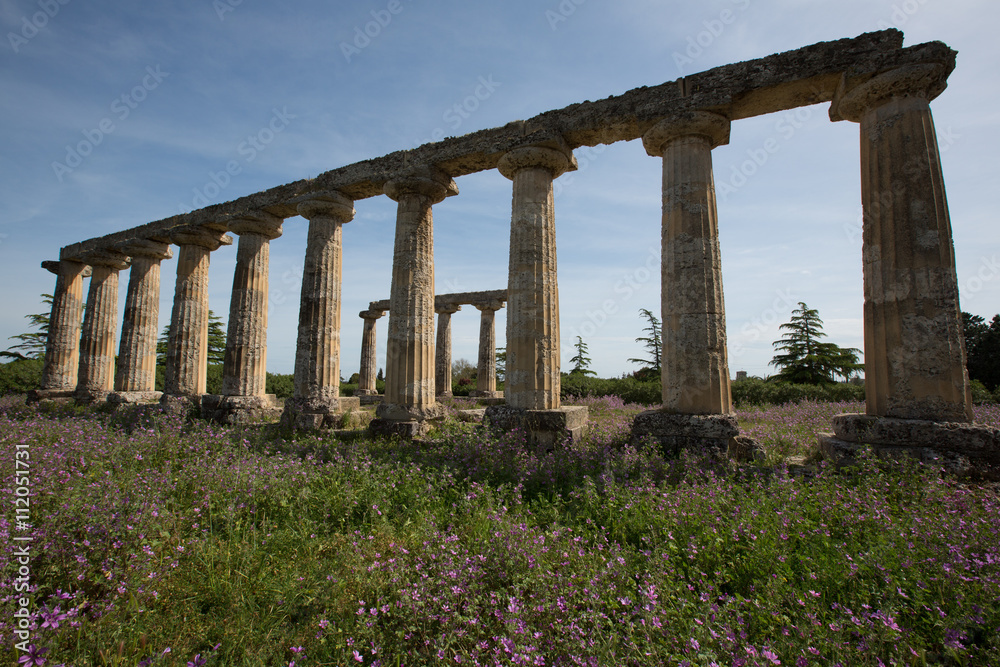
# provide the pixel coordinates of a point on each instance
(160, 542)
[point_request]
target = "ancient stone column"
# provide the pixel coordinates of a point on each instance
(96, 375)
(187, 344)
(914, 344)
(442, 364)
(695, 369)
(486, 376)
(533, 381)
(136, 373)
(62, 349)
(244, 371)
(409, 386)
(369, 361)
(317, 354)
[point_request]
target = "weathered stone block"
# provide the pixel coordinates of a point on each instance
(403, 429)
(544, 428)
(700, 433)
(134, 397)
(240, 409)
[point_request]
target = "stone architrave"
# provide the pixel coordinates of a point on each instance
(409, 388)
(486, 376)
(532, 380)
(135, 378)
(317, 401)
(442, 363)
(244, 369)
(914, 344)
(695, 370)
(187, 343)
(62, 349)
(96, 375)
(369, 360)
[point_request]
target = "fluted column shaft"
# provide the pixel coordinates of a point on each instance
(62, 349)
(914, 342)
(442, 363)
(369, 360)
(187, 343)
(137, 351)
(486, 376)
(533, 380)
(97, 341)
(410, 347)
(317, 355)
(244, 371)
(695, 367)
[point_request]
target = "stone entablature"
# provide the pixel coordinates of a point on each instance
(441, 301)
(800, 77)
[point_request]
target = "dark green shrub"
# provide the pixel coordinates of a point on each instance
(754, 391)
(20, 376)
(282, 386)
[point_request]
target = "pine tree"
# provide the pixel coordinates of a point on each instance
(807, 360)
(32, 345)
(216, 342)
(581, 362)
(501, 363)
(652, 343)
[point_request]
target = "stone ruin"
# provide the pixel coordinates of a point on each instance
(917, 391)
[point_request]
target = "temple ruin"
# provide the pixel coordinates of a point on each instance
(916, 385)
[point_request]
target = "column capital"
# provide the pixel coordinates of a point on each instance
(489, 305)
(427, 181)
(919, 80)
(371, 314)
(329, 204)
(712, 126)
(449, 308)
(52, 266)
(197, 235)
(556, 161)
(265, 224)
(146, 248)
(109, 257)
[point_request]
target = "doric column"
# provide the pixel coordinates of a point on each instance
(533, 381)
(187, 344)
(695, 370)
(317, 354)
(409, 385)
(442, 364)
(97, 341)
(136, 370)
(369, 360)
(244, 371)
(486, 377)
(62, 350)
(914, 344)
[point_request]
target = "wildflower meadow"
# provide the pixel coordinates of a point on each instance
(160, 541)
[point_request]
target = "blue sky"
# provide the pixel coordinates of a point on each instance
(167, 95)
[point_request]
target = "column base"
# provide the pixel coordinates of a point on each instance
(59, 396)
(544, 428)
(90, 396)
(240, 409)
(365, 392)
(486, 394)
(718, 435)
(371, 399)
(311, 415)
(405, 421)
(134, 397)
(959, 447)
(181, 405)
